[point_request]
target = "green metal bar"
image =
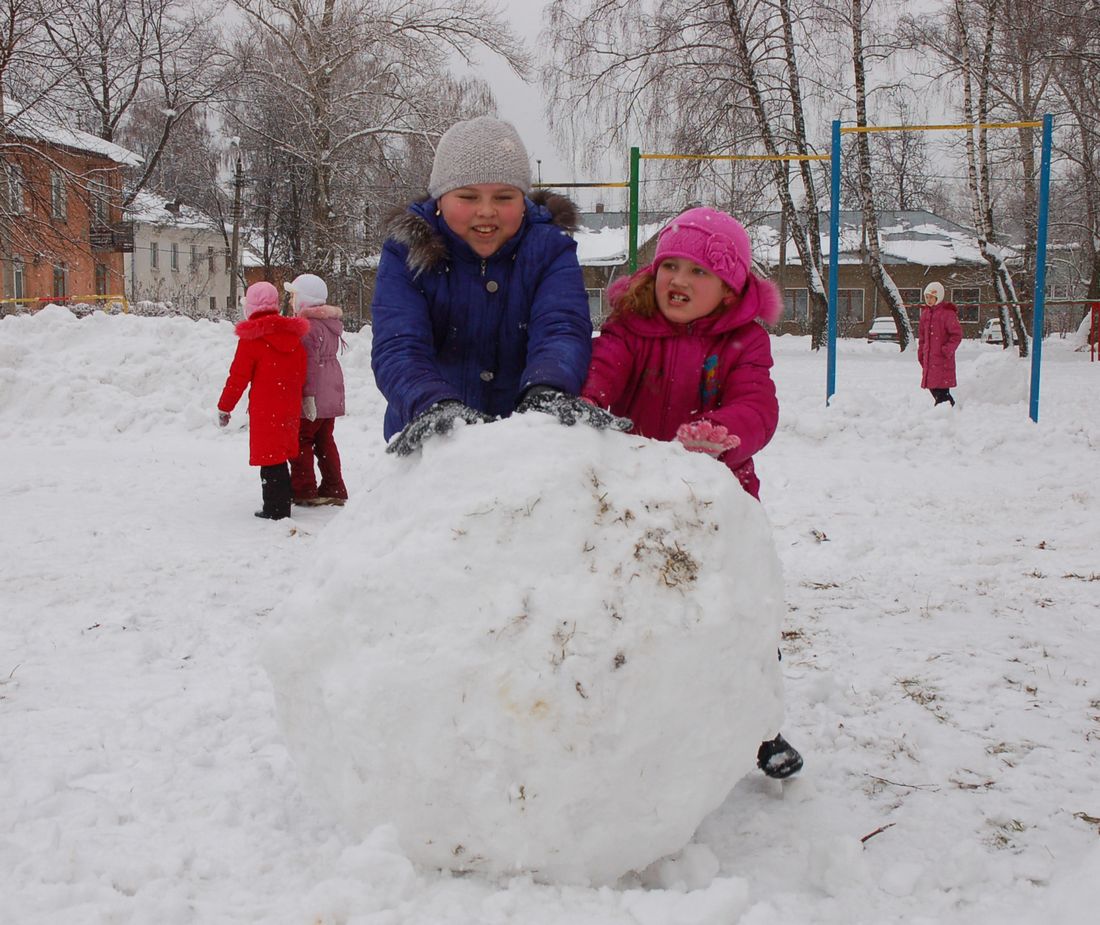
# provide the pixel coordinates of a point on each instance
(635, 164)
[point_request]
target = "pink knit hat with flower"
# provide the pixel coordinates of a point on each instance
(260, 297)
(719, 243)
(713, 240)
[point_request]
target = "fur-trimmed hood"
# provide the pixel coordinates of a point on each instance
(284, 334)
(420, 228)
(321, 311)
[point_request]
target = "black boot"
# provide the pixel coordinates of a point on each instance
(275, 481)
(778, 758)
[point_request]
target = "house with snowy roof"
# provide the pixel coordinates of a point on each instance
(181, 259)
(62, 233)
(603, 249)
(917, 248)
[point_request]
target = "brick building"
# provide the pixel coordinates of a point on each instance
(62, 234)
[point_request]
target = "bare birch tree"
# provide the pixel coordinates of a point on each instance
(699, 77)
(335, 94)
(107, 56)
(883, 281)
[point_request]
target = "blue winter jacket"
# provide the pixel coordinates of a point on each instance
(448, 324)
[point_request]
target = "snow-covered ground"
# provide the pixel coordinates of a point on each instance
(941, 657)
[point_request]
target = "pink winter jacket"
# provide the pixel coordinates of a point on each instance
(938, 337)
(324, 376)
(661, 375)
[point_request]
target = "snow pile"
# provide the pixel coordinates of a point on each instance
(558, 664)
(996, 377)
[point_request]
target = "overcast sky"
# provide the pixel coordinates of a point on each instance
(522, 104)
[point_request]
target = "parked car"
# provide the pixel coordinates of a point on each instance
(992, 333)
(883, 329)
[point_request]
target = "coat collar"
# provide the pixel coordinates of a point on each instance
(431, 244)
(268, 323)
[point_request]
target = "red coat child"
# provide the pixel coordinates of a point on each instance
(271, 363)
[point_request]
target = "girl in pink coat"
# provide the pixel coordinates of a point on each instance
(322, 397)
(938, 337)
(683, 357)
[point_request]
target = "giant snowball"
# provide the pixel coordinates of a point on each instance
(534, 648)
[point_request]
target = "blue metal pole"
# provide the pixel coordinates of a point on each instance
(1040, 268)
(834, 261)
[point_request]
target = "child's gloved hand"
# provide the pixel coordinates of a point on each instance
(706, 437)
(309, 408)
(438, 419)
(570, 409)
(223, 418)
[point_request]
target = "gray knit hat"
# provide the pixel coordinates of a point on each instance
(481, 150)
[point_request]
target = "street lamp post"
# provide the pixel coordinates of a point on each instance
(234, 247)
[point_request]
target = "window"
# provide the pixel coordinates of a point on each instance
(18, 284)
(194, 256)
(968, 313)
(100, 279)
(175, 256)
(59, 197)
(16, 185)
(210, 261)
(228, 260)
(912, 297)
(229, 302)
(796, 305)
(154, 254)
(100, 195)
(595, 303)
(849, 306)
(213, 304)
(60, 281)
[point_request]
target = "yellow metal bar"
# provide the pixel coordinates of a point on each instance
(735, 157)
(121, 299)
(578, 185)
(850, 129)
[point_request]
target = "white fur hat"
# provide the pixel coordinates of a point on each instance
(481, 150)
(936, 289)
(309, 289)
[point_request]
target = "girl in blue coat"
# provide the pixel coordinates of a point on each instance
(479, 307)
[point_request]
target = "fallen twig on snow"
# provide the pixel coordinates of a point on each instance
(879, 830)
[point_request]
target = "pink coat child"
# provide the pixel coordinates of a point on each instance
(938, 337)
(682, 354)
(683, 357)
(322, 395)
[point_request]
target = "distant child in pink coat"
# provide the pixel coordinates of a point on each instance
(684, 358)
(322, 396)
(938, 337)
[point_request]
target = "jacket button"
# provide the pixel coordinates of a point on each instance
(492, 285)
(486, 375)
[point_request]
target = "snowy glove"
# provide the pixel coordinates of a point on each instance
(706, 437)
(223, 418)
(570, 409)
(309, 408)
(438, 419)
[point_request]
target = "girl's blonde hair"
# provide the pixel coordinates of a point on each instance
(637, 295)
(634, 295)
